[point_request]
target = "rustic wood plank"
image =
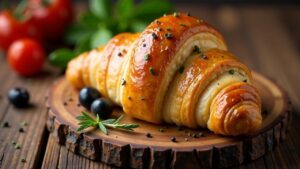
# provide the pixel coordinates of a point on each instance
(57, 156)
(32, 140)
(273, 50)
(276, 55)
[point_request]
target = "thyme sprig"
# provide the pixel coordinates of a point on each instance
(86, 121)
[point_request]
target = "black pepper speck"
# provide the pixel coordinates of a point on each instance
(231, 71)
(148, 135)
(157, 21)
(123, 82)
(181, 69)
(183, 25)
(161, 130)
(146, 57)
(5, 125)
(169, 35)
(21, 130)
(17, 146)
(154, 36)
(23, 160)
(203, 57)
(173, 139)
(196, 49)
(151, 70)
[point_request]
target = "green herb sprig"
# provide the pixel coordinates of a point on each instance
(86, 121)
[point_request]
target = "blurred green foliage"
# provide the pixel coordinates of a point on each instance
(103, 20)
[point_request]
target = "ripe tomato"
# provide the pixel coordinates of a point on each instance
(12, 29)
(52, 18)
(26, 57)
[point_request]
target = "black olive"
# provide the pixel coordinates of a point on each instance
(19, 97)
(87, 95)
(102, 107)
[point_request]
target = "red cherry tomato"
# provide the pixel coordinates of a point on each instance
(52, 18)
(26, 57)
(12, 29)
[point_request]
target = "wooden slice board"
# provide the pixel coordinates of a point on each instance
(136, 150)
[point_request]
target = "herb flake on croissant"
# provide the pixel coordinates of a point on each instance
(178, 70)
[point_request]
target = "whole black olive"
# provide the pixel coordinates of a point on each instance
(87, 95)
(19, 97)
(102, 107)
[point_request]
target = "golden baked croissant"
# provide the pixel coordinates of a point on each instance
(178, 71)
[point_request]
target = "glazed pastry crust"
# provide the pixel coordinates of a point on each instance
(148, 80)
(178, 70)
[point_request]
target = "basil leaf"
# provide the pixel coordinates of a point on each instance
(83, 45)
(101, 8)
(89, 20)
(138, 26)
(77, 33)
(61, 57)
(101, 37)
(124, 9)
(149, 10)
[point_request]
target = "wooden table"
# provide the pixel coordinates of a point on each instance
(266, 38)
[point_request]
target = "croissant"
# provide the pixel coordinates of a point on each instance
(178, 70)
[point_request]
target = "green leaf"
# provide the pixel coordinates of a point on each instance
(138, 26)
(97, 119)
(90, 20)
(124, 9)
(119, 119)
(127, 126)
(86, 115)
(102, 128)
(61, 57)
(101, 8)
(77, 33)
(101, 37)
(82, 127)
(83, 45)
(19, 11)
(108, 121)
(149, 10)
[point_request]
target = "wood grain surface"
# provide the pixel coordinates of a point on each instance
(267, 38)
(138, 149)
